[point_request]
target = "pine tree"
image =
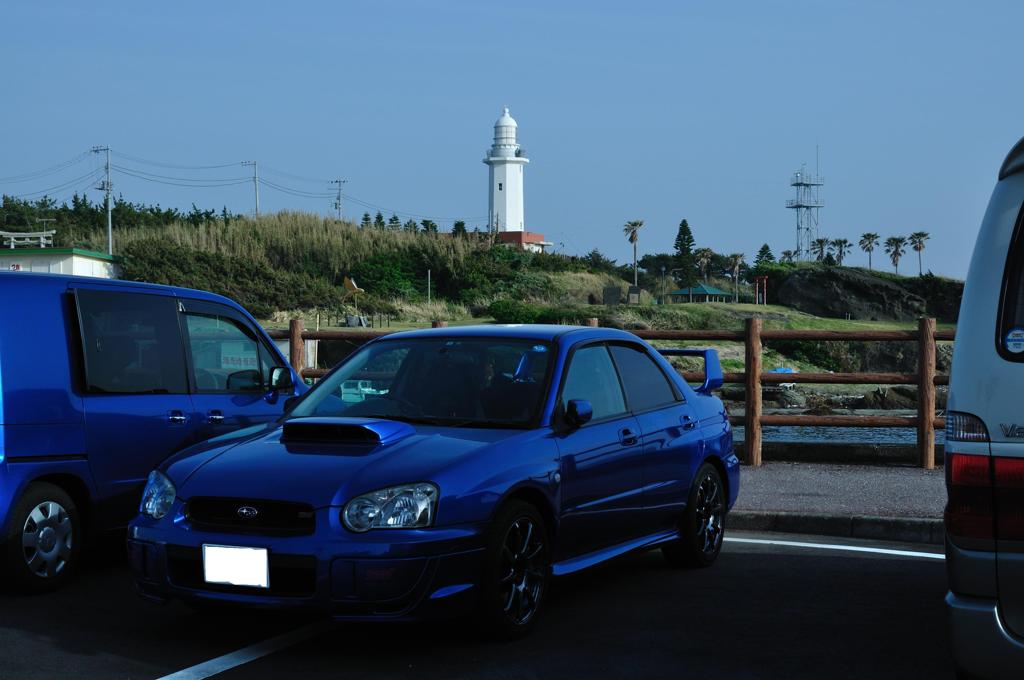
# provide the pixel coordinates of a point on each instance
(411, 226)
(394, 224)
(378, 221)
(459, 229)
(685, 262)
(764, 256)
(367, 222)
(429, 226)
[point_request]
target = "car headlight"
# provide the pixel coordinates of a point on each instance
(158, 496)
(408, 506)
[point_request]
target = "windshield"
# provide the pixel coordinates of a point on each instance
(464, 382)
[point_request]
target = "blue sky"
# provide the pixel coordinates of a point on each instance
(638, 110)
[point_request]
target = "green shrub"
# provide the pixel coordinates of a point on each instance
(513, 311)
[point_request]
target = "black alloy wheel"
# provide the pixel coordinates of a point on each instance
(517, 571)
(703, 525)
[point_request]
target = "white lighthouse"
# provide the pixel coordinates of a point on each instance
(505, 160)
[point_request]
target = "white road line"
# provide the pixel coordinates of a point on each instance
(838, 546)
(247, 654)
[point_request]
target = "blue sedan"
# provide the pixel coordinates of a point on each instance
(446, 472)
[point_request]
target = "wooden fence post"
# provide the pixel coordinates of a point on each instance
(592, 322)
(296, 346)
(439, 324)
(752, 420)
(926, 393)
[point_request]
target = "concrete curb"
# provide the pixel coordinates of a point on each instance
(907, 529)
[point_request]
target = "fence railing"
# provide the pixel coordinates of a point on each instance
(753, 378)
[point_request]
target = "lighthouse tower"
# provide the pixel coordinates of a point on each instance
(506, 160)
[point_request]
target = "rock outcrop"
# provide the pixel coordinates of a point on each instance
(840, 292)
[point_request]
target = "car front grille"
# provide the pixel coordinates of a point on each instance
(248, 515)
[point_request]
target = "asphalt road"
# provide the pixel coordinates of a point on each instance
(762, 611)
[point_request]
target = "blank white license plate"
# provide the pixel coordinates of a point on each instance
(236, 566)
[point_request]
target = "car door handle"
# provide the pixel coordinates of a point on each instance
(215, 417)
(177, 418)
(627, 437)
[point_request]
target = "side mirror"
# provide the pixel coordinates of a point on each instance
(578, 412)
(280, 379)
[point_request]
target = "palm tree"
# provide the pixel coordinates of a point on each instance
(819, 247)
(787, 256)
(735, 261)
(868, 242)
(917, 240)
(631, 230)
(703, 256)
(842, 249)
(895, 247)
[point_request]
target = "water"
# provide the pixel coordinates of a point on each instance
(844, 435)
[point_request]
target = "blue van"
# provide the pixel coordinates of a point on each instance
(99, 382)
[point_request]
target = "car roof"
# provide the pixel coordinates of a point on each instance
(39, 278)
(543, 332)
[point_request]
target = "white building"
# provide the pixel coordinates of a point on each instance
(505, 161)
(60, 261)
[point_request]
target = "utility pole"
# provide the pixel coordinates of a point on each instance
(255, 183)
(106, 186)
(337, 201)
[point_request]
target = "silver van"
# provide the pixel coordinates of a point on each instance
(985, 445)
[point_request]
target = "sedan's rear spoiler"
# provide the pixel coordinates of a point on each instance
(713, 378)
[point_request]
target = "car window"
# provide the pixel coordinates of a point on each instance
(467, 382)
(132, 343)
(1010, 333)
(592, 376)
(644, 382)
(226, 356)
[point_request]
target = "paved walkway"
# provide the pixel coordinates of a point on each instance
(889, 502)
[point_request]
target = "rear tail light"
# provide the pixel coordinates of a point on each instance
(1009, 488)
(969, 510)
(986, 493)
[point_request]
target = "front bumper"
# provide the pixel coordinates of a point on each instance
(393, 574)
(980, 644)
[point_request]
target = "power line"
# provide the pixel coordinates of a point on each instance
(90, 176)
(294, 192)
(207, 180)
(173, 165)
(186, 183)
(52, 170)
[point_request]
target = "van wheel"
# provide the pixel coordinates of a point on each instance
(702, 527)
(43, 539)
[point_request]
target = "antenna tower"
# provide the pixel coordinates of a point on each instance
(806, 204)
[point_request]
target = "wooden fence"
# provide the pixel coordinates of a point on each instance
(753, 378)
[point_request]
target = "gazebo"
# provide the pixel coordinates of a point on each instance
(700, 293)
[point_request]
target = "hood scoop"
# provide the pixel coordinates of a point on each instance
(352, 431)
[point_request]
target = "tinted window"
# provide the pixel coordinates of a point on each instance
(645, 384)
(466, 382)
(132, 343)
(226, 357)
(1010, 334)
(592, 377)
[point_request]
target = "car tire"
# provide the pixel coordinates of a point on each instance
(44, 539)
(517, 571)
(703, 525)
